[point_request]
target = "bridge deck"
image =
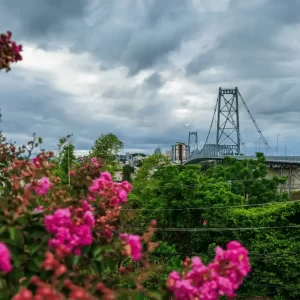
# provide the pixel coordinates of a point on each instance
(269, 159)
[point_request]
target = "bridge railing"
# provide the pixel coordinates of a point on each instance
(282, 159)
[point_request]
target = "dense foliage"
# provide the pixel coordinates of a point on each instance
(127, 172)
(200, 207)
(106, 148)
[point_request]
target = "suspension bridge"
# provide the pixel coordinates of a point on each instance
(229, 141)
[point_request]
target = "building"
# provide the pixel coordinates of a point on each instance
(118, 177)
(124, 158)
(180, 153)
(168, 154)
(131, 159)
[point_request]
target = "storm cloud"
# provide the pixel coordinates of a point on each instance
(149, 71)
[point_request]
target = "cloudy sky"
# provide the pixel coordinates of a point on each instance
(149, 70)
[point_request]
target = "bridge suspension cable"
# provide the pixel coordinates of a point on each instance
(211, 124)
(256, 126)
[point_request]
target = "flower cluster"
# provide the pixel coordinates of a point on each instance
(9, 51)
(133, 245)
(44, 290)
(83, 173)
(222, 277)
(43, 186)
(5, 264)
(28, 182)
(72, 228)
(95, 162)
(106, 188)
(39, 209)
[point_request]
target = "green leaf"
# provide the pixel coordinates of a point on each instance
(75, 260)
(139, 297)
(85, 250)
(33, 266)
(16, 236)
(23, 221)
(4, 291)
(37, 234)
(3, 229)
(96, 252)
(97, 267)
(35, 263)
(33, 248)
(19, 259)
(14, 276)
(111, 263)
(154, 295)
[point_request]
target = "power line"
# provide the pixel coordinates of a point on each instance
(217, 229)
(165, 187)
(250, 254)
(228, 181)
(212, 207)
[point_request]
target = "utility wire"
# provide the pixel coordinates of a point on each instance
(199, 184)
(212, 207)
(217, 229)
(250, 254)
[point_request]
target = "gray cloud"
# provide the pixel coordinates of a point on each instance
(181, 46)
(154, 80)
(40, 19)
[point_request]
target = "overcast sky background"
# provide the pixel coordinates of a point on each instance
(149, 70)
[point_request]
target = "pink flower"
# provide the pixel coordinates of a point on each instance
(122, 195)
(133, 245)
(67, 233)
(5, 264)
(61, 218)
(118, 192)
(106, 176)
(72, 173)
(126, 186)
(89, 218)
(86, 206)
(222, 277)
(95, 162)
(43, 186)
(36, 162)
(39, 208)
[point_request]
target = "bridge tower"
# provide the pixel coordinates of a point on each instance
(228, 123)
(193, 141)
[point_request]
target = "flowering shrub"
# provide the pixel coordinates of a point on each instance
(9, 51)
(83, 173)
(63, 248)
(45, 247)
(222, 277)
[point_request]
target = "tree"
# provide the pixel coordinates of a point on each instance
(127, 171)
(149, 165)
(65, 159)
(106, 148)
(179, 188)
(189, 197)
(68, 158)
(247, 178)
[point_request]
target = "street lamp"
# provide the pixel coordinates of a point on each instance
(285, 145)
(277, 143)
